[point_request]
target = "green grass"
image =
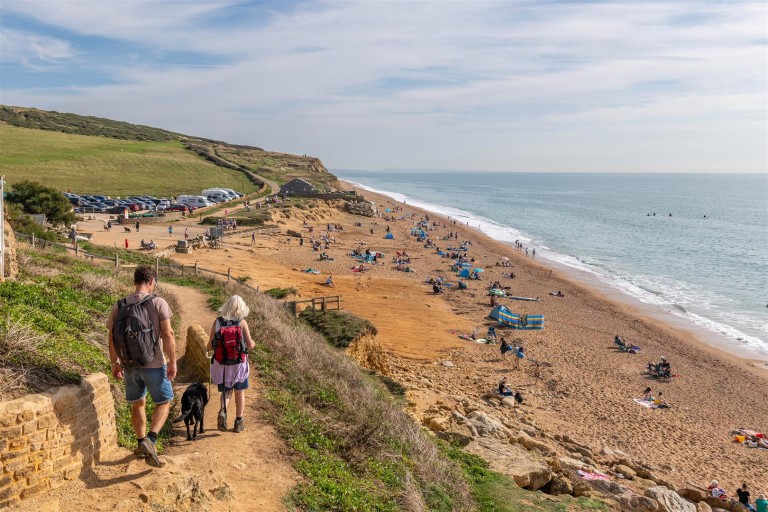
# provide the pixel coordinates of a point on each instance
(91, 164)
(339, 328)
(281, 293)
(217, 295)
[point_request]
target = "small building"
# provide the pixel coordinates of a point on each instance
(297, 186)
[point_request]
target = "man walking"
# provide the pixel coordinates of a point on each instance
(140, 339)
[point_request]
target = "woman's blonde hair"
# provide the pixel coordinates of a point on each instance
(234, 309)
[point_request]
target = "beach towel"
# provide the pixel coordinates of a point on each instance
(311, 271)
(645, 403)
(532, 299)
(592, 475)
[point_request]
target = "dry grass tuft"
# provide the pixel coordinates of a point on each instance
(99, 283)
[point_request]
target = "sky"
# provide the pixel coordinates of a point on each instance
(528, 86)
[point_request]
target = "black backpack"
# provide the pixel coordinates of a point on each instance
(133, 334)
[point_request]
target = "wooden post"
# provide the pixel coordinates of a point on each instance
(229, 274)
(157, 266)
(182, 269)
(323, 306)
(117, 262)
(195, 268)
(77, 249)
(295, 309)
(33, 240)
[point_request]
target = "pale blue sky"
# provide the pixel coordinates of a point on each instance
(516, 85)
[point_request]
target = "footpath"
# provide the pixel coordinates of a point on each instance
(220, 471)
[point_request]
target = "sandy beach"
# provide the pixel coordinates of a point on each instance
(586, 387)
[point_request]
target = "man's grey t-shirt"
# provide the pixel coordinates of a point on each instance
(158, 310)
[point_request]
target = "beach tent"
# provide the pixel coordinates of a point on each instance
(479, 270)
(389, 236)
(523, 322)
(495, 312)
(464, 273)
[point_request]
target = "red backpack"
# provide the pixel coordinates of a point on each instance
(229, 343)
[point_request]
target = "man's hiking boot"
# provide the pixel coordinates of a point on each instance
(140, 451)
(221, 421)
(149, 448)
(239, 425)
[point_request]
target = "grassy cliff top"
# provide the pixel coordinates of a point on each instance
(89, 154)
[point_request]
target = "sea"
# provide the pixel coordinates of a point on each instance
(691, 245)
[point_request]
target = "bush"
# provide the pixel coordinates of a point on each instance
(281, 293)
(35, 198)
(339, 328)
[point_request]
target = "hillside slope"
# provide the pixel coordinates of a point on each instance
(96, 155)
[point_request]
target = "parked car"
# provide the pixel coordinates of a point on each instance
(178, 208)
(116, 209)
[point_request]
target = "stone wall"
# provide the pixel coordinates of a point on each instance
(196, 360)
(49, 438)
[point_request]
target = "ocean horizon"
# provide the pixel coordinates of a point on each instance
(692, 245)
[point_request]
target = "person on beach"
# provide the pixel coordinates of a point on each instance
(329, 282)
(170, 230)
(186, 234)
(761, 503)
(505, 347)
(647, 395)
(230, 339)
(137, 226)
(253, 238)
(126, 244)
(716, 491)
(519, 356)
(150, 372)
(504, 389)
(661, 402)
(743, 494)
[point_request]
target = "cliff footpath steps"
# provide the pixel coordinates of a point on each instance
(220, 471)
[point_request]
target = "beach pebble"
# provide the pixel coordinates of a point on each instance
(448, 364)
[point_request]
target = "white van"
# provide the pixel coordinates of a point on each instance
(232, 193)
(196, 201)
(219, 191)
(217, 197)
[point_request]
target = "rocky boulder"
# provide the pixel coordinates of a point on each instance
(637, 503)
(703, 507)
(625, 471)
(691, 493)
(669, 501)
(528, 469)
(196, 362)
(485, 425)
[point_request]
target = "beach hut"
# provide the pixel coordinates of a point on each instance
(389, 236)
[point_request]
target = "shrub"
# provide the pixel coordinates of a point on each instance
(36, 198)
(338, 327)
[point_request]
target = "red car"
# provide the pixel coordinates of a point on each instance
(133, 207)
(178, 208)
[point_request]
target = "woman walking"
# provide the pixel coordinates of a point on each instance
(230, 340)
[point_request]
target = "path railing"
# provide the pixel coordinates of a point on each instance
(163, 267)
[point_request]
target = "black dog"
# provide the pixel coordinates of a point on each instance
(193, 403)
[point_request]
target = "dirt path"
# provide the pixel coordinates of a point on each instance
(220, 471)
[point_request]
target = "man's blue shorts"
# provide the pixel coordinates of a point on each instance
(155, 380)
(238, 386)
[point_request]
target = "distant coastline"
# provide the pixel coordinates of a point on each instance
(675, 317)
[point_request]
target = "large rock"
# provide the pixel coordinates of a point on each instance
(691, 493)
(196, 362)
(534, 444)
(559, 486)
(637, 503)
(528, 469)
(438, 424)
(703, 507)
(625, 471)
(485, 425)
(368, 353)
(669, 501)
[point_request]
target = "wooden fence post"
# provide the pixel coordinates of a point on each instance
(229, 274)
(117, 262)
(77, 249)
(157, 266)
(195, 268)
(182, 269)
(33, 240)
(323, 305)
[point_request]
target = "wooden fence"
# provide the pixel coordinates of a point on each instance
(323, 303)
(162, 266)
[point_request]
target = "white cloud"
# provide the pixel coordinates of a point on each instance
(33, 50)
(499, 85)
